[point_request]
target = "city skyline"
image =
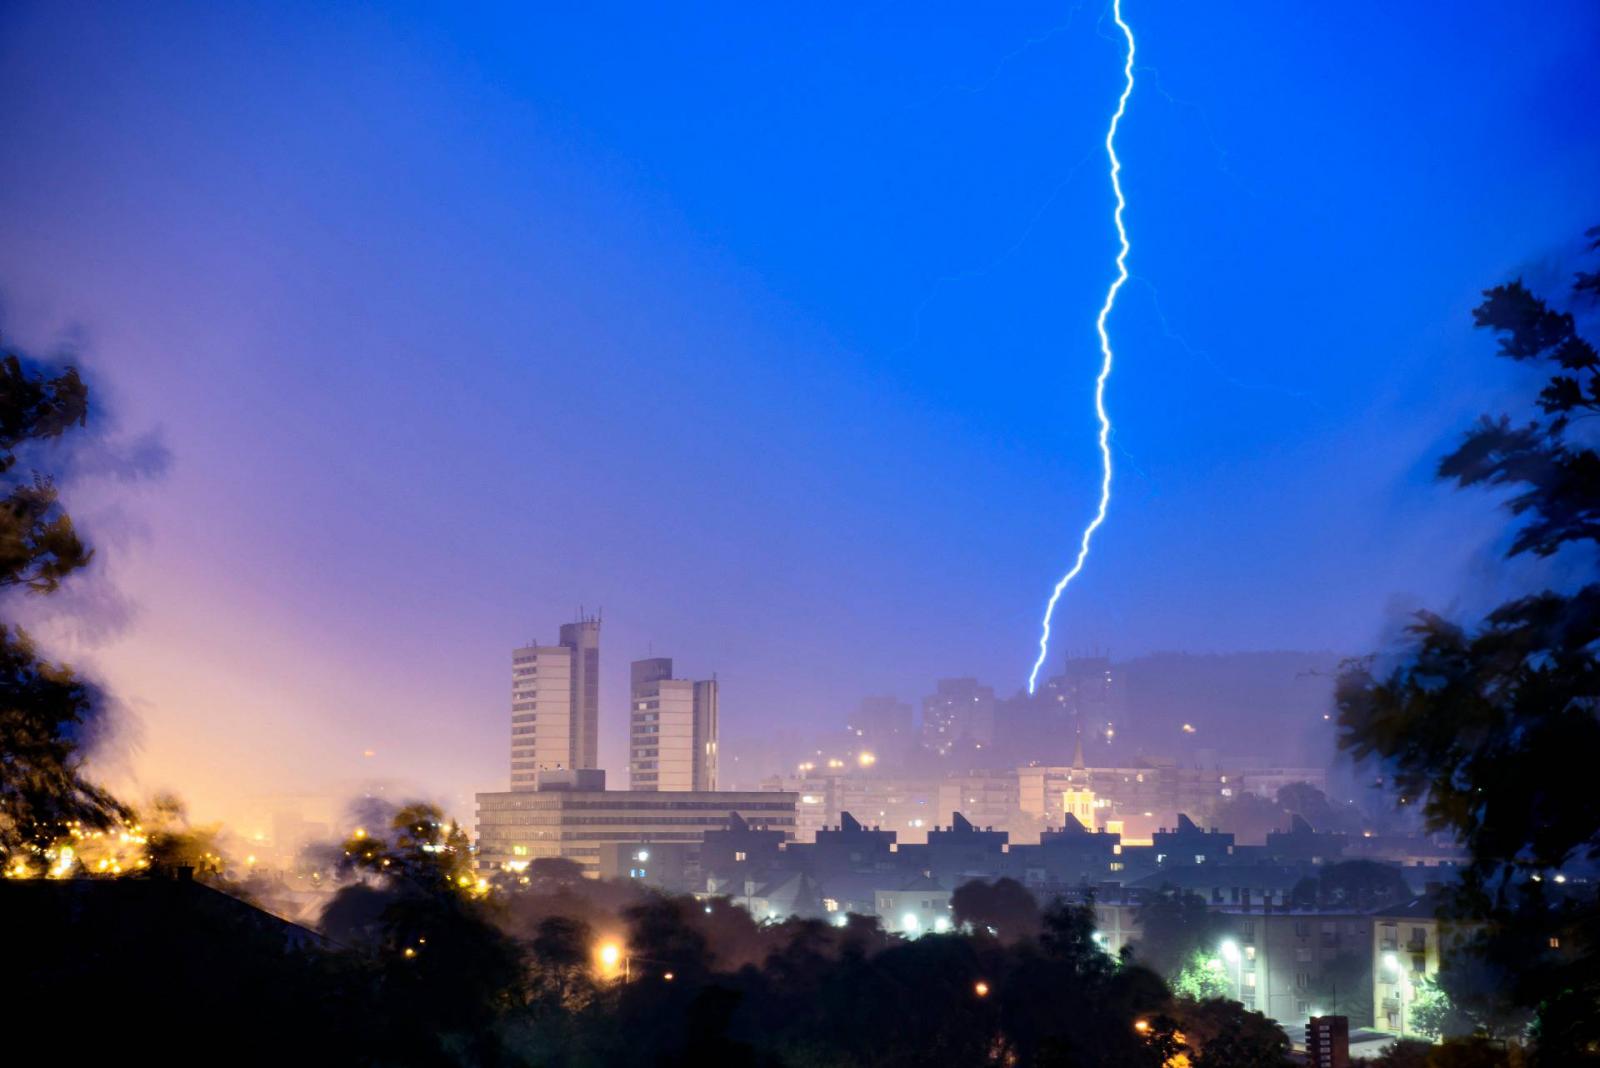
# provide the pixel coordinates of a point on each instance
(734, 383)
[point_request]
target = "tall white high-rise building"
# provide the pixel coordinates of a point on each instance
(672, 731)
(555, 704)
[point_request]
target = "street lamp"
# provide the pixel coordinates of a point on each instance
(1391, 963)
(609, 955)
(1231, 954)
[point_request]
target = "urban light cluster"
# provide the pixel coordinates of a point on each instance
(99, 852)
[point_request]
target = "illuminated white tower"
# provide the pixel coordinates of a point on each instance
(555, 704)
(672, 729)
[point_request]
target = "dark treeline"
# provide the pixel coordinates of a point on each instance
(419, 962)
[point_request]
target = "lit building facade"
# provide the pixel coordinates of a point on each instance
(563, 820)
(672, 730)
(555, 704)
(1409, 943)
(1292, 964)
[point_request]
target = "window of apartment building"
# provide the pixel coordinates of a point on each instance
(740, 855)
(1250, 980)
(1419, 936)
(1302, 953)
(1302, 929)
(1302, 1008)
(1250, 953)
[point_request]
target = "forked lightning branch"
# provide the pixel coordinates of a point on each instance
(1105, 352)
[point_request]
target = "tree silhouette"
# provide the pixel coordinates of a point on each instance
(47, 713)
(1004, 907)
(1491, 728)
(1176, 925)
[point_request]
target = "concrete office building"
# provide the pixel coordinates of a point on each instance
(555, 704)
(571, 814)
(1292, 964)
(672, 732)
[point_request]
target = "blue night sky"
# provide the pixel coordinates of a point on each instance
(770, 330)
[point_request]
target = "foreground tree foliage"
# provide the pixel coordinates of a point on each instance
(47, 713)
(1491, 728)
(630, 977)
(1178, 928)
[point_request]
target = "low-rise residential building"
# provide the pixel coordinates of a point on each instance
(917, 905)
(1408, 943)
(1293, 964)
(575, 818)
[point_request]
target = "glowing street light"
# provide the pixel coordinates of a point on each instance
(866, 760)
(981, 988)
(1391, 964)
(1230, 953)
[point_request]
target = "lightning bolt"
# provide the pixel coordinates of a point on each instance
(1105, 350)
